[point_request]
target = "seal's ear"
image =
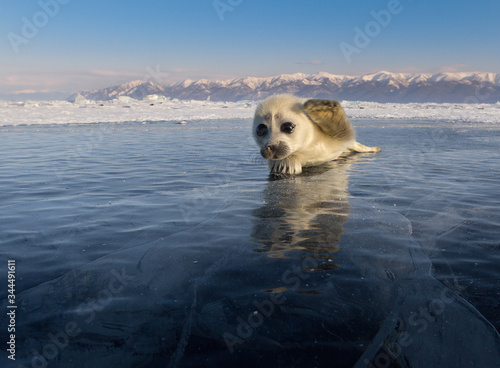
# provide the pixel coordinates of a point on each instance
(330, 117)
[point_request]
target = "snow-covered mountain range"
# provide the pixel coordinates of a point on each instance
(378, 87)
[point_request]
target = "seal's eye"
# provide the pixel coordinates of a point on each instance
(261, 130)
(287, 128)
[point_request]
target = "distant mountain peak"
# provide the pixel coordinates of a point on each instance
(137, 89)
(382, 86)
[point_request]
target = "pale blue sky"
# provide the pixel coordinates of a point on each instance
(70, 45)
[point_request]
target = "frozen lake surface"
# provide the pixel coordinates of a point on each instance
(154, 244)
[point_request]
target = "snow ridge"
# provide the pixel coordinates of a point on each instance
(383, 86)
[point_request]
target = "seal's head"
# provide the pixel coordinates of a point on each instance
(281, 127)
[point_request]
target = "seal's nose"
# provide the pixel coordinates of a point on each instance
(269, 151)
(275, 151)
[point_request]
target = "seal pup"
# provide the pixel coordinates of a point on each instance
(293, 133)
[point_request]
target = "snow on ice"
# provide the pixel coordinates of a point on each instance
(158, 108)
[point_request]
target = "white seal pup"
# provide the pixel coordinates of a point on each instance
(293, 133)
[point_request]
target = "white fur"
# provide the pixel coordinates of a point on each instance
(308, 144)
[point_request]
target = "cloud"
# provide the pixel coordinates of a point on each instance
(181, 70)
(411, 69)
(310, 62)
(453, 68)
(68, 81)
(110, 73)
(26, 91)
(28, 81)
(71, 80)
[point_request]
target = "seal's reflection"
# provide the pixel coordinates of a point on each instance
(303, 216)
